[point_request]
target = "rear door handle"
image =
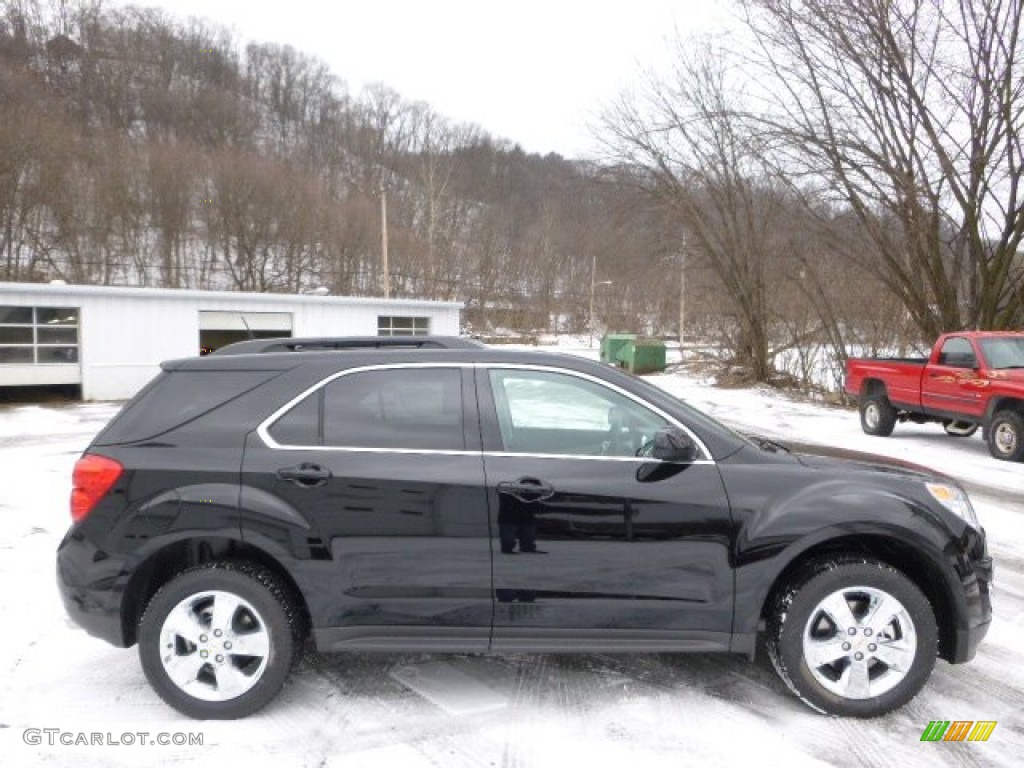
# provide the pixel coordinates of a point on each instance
(305, 475)
(527, 489)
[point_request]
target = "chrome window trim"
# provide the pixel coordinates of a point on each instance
(263, 430)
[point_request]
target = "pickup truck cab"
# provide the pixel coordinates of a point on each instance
(971, 379)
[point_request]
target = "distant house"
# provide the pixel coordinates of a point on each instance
(110, 341)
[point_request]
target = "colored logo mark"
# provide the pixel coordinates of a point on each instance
(958, 730)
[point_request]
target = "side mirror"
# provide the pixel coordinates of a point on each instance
(673, 444)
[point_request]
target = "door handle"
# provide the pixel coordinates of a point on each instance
(527, 489)
(305, 475)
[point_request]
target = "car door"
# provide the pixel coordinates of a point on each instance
(954, 385)
(594, 545)
(372, 482)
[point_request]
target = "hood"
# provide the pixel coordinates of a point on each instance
(826, 457)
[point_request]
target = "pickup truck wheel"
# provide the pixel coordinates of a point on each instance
(1005, 436)
(852, 637)
(960, 428)
(877, 416)
(218, 641)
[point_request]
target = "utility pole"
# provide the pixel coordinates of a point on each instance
(590, 311)
(384, 242)
(593, 284)
(682, 296)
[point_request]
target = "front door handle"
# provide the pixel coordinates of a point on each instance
(305, 475)
(527, 489)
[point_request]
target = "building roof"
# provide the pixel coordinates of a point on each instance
(106, 291)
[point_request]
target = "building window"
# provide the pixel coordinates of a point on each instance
(403, 326)
(38, 335)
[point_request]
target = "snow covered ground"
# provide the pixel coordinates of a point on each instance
(463, 710)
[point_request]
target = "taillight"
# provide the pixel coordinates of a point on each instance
(92, 478)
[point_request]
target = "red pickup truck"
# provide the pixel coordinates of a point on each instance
(971, 379)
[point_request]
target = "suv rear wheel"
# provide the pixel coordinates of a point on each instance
(852, 637)
(218, 641)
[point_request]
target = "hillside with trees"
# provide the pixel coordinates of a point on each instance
(854, 187)
(139, 150)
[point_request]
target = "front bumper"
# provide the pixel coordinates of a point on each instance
(976, 575)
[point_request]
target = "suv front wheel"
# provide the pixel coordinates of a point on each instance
(852, 637)
(218, 641)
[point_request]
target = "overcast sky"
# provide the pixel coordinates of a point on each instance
(536, 72)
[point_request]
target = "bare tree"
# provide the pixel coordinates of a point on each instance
(911, 112)
(707, 167)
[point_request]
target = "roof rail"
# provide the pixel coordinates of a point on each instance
(285, 344)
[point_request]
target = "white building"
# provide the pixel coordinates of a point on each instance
(111, 340)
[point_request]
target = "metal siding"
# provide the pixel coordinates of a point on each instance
(125, 333)
(124, 340)
(21, 375)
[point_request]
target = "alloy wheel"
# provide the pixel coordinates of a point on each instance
(214, 646)
(859, 642)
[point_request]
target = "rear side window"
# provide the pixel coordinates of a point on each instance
(418, 409)
(177, 397)
(301, 424)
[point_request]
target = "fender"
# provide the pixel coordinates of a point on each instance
(794, 526)
(996, 404)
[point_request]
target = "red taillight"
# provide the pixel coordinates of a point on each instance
(92, 478)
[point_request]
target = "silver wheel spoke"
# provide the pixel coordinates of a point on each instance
(897, 655)
(838, 610)
(251, 644)
(855, 682)
(225, 606)
(184, 670)
(821, 652)
(183, 622)
(231, 682)
(884, 611)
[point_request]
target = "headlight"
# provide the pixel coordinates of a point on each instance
(955, 500)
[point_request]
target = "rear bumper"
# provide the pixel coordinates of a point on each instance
(89, 582)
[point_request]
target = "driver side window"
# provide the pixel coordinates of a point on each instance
(543, 412)
(957, 352)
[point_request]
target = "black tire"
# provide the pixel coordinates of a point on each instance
(793, 607)
(1005, 436)
(266, 612)
(877, 416)
(959, 428)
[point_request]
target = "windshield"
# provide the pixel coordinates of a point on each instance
(1005, 352)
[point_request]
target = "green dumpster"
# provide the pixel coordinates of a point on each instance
(641, 355)
(612, 343)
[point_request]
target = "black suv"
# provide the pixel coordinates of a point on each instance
(430, 494)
